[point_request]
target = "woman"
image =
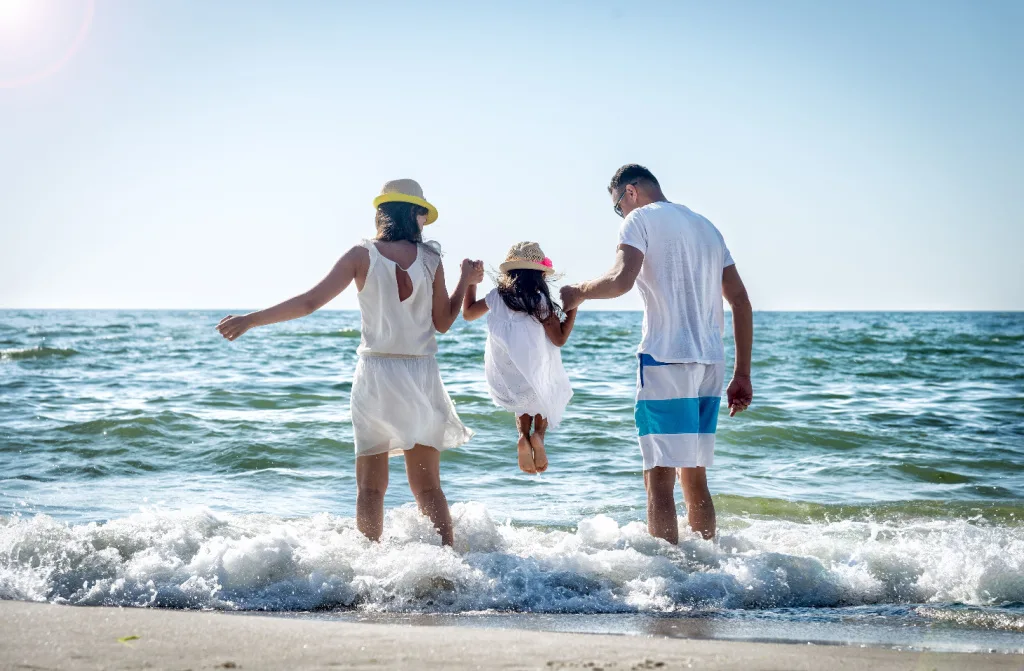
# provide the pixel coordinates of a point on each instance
(399, 403)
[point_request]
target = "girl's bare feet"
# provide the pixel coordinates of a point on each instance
(540, 457)
(526, 464)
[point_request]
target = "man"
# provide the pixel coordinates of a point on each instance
(683, 267)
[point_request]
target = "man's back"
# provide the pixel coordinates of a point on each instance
(680, 282)
(682, 265)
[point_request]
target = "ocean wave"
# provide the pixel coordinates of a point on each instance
(134, 424)
(201, 559)
(987, 339)
(272, 399)
(975, 617)
(39, 352)
(1006, 512)
(341, 333)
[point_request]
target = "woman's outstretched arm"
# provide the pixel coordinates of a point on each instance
(355, 262)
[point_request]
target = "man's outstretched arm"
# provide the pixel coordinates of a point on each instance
(616, 282)
(740, 392)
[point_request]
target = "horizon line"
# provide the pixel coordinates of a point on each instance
(780, 311)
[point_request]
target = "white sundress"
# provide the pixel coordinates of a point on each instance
(398, 399)
(523, 368)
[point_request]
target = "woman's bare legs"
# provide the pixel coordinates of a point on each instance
(540, 457)
(423, 466)
(371, 483)
(526, 463)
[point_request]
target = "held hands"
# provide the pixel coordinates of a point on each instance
(473, 271)
(231, 327)
(571, 297)
(739, 394)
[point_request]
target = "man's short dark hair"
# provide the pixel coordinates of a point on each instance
(630, 174)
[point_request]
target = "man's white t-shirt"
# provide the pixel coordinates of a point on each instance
(680, 282)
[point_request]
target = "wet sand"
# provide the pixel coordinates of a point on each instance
(34, 636)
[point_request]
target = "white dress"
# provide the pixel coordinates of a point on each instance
(398, 399)
(523, 368)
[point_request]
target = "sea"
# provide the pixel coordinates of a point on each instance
(873, 494)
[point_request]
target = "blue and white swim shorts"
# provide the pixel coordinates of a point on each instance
(677, 412)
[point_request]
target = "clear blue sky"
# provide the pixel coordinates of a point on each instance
(194, 154)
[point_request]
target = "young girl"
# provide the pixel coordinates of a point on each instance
(399, 404)
(522, 361)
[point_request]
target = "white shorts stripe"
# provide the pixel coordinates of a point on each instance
(677, 412)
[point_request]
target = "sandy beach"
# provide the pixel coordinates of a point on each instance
(44, 636)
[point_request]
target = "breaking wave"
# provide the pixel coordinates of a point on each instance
(199, 558)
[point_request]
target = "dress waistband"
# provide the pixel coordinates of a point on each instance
(384, 355)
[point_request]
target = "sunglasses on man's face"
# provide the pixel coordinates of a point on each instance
(618, 207)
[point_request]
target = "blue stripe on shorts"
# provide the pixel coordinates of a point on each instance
(675, 416)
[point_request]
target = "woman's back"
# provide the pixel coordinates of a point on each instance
(396, 303)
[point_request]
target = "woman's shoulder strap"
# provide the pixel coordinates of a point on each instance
(430, 255)
(371, 249)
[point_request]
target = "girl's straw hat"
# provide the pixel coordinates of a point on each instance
(405, 191)
(527, 256)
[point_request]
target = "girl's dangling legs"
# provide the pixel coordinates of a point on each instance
(371, 483)
(540, 457)
(526, 464)
(423, 466)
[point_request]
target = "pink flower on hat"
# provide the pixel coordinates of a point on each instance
(547, 262)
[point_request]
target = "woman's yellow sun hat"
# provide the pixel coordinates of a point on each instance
(527, 256)
(405, 191)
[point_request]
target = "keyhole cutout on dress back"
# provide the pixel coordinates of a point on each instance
(404, 283)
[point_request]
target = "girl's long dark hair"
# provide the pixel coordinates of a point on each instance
(527, 291)
(397, 221)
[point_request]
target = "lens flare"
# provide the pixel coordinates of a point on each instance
(36, 39)
(14, 13)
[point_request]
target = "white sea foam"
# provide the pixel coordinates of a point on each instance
(202, 559)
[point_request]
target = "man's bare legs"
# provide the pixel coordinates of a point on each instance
(423, 467)
(371, 483)
(540, 457)
(661, 503)
(526, 463)
(700, 509)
